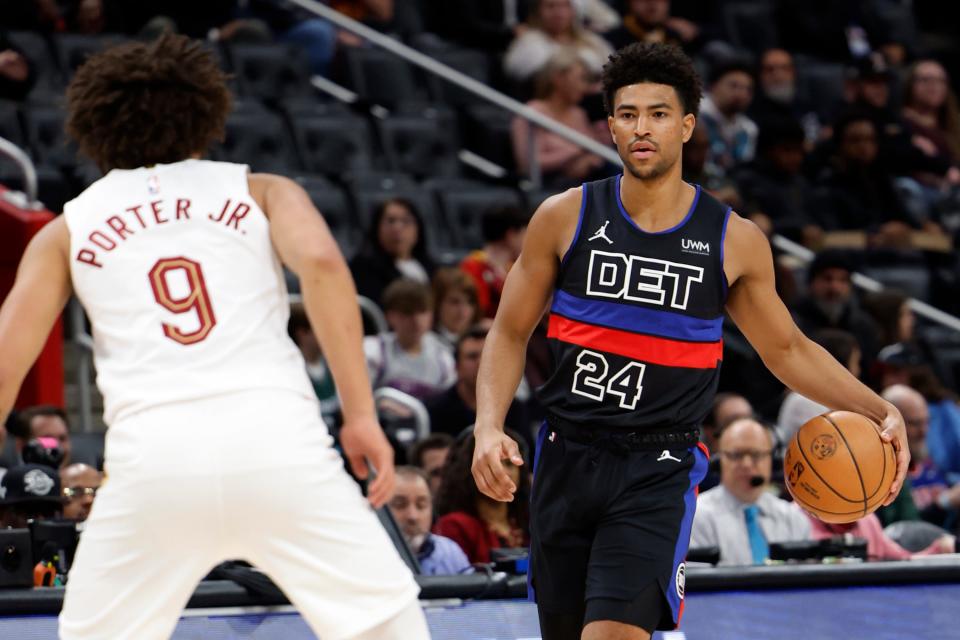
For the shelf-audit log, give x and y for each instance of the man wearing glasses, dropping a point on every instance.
(80, 483)
(740, 516)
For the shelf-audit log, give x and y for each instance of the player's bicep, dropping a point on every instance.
(753, 302)
(530, 282)
(299, 233)
(39, 293)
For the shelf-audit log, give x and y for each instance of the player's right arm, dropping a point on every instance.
(526, 294)
(40, 291)
(304, 243)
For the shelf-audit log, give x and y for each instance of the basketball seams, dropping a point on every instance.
(823, 480)
(853, 457)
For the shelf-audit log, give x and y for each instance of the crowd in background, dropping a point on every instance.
(833, 124)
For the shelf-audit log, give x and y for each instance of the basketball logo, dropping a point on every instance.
(795, 472)
(681, 579)
(823, 446)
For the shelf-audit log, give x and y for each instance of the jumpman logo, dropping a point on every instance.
(666, 456)
(601, 233)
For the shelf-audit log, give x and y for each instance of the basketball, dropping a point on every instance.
(838, 468)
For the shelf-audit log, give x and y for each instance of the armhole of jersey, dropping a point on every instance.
(576, 234)
(723, 239)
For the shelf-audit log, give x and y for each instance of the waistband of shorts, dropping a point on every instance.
(673, 437)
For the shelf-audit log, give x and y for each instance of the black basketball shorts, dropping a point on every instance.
(606, 523)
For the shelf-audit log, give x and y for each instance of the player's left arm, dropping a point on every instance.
(796, 360)
(40, 291)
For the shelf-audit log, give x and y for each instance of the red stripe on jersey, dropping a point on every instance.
(649, 349)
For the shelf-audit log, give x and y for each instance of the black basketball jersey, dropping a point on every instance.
(636, 320)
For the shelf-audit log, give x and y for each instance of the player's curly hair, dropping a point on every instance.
(458, 490)
(652, 62)
(138, 104)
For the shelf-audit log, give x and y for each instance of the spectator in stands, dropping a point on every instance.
(560, 87)
(879, 544)
(456, 307)
(503, 230)
(797, 409)
(727, 407)
(775, 185)
(43, 421)
(733, 136)
(474, 521)
(412, 508)
(830, 303)
(932, 116)
(396, 246)
(29, 492)
(856, 191)
(930, 490)
(646, 21)
(553, 24)
(741, 516)
(943, 434)
(320, 377)
(456, 408)
(892, 314)
(777, 98)
(430, 455)
(16, 73)
(696, 170)
(409, 357)
(80, 484)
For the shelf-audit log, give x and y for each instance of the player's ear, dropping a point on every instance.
(689, 124)
(610, 122)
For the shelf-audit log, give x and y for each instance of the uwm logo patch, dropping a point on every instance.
(639, 279)
(698, 247)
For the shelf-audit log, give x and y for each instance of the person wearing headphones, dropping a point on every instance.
(740, 516)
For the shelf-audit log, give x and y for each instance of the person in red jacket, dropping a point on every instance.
(474, 521)
(503, 229)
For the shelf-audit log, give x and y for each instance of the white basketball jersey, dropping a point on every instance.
(175, 268)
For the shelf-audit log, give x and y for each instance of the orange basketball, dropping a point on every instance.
(838, 467)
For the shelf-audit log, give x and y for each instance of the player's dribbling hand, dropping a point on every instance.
(363, 440)
(895, 432)
(492, 447)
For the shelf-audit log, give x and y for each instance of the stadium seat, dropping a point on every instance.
(416, 145)
(50, 80)
(467, 61)
(382, 78)
(73, 49)
(10, 129)
(486, 131)
(259, 139)
(335, 207)
(463, 209)
(45, 136)
(271, 71)
(820, 83)
(379, 180)
(750, 25)
(333, 143)
(914, 535)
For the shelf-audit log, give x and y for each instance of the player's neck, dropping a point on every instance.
(659, 203)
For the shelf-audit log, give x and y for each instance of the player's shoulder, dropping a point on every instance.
(554, 223)
(746, 248)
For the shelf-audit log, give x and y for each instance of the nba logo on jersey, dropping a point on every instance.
(153, 184)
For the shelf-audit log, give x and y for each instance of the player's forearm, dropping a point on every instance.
(809, 370)
(501, 368)
(329, 297)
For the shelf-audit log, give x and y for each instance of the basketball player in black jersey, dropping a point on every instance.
(639, 270)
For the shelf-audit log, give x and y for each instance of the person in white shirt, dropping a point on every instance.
(409, 357)
(741, 516)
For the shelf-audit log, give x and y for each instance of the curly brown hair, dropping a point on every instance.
(458, 491)
(138, 104)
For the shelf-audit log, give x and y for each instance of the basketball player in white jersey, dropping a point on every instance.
(215, 448)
